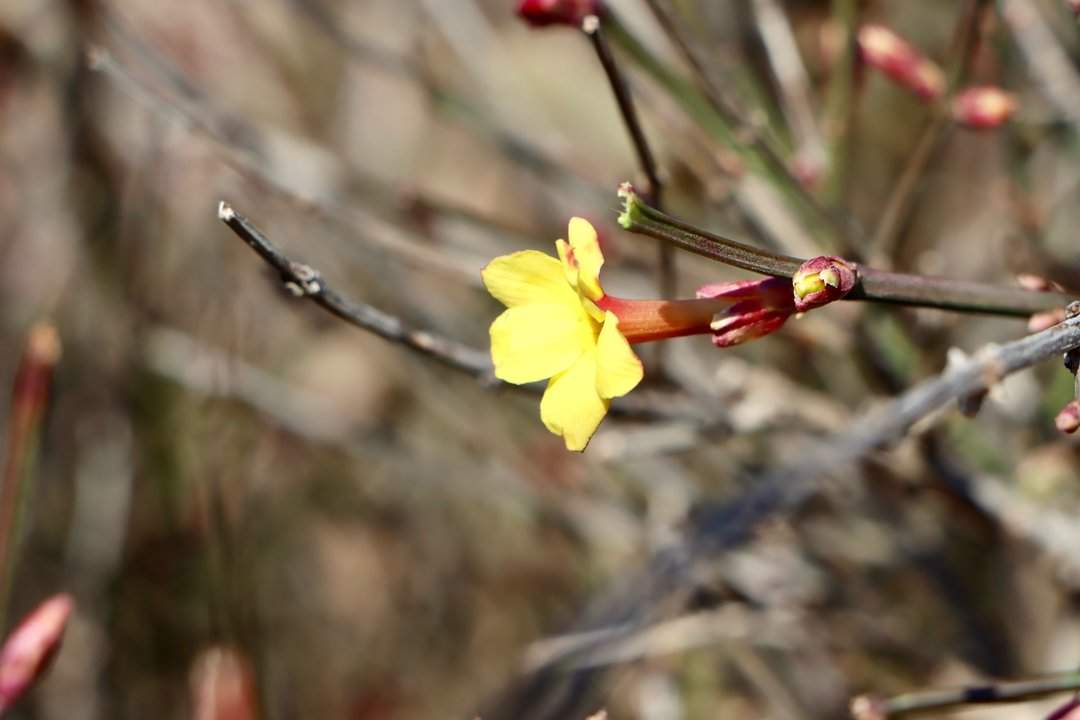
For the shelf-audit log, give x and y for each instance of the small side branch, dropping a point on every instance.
(871, 708)
(304, 281)
(874, 285)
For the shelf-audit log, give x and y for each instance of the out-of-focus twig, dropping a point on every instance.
(246, 158)
(931, 140)
(29, 397)
(745, 130)
(609, 646)
(840, 112)
(1049, 64)
(794, 83)
(667, 579)
(871, 708)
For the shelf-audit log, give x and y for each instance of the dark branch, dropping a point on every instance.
(305, 281)
(870, 708)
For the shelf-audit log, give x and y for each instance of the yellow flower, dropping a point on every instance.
(553, 328)
(560, 325)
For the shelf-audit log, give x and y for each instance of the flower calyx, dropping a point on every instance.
(759, 307)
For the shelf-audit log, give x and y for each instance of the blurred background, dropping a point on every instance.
(264, 512)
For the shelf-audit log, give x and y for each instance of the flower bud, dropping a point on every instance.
(983, 108)
(821, 280)
(883, 49)
(1068, 420)
(222, 686)
(30, 646)
(1037, 283)
(1074, 5)
(541, 13)
(1045, 320)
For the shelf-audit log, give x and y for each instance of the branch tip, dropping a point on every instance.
(225, 212)
(631, 206)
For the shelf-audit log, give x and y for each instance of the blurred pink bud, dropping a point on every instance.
(31, 645)
(1044, 320)
(1074, 5)
(866, 707)
(984, 107)
(883, 49)
(1038, 283)
(222, 686)
(1068, 420)
(822, 280)
(762, 307)
(540, 13)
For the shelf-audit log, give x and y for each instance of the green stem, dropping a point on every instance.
(637, 217)
(873, 285)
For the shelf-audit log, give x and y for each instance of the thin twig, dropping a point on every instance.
(840, 112)
(874, 285)
(1050, 65)
(871, 708)
(305, 281)
(592, 27)
(29, 397)
(793, 81)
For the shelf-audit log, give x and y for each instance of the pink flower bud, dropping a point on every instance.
(1044, 320)
(222, 686)
(883, 49)
(1068, 420)
(1074, 5)
(30, 646)
(761, 307)
(1038, 283)
(821, 280)
(540, 13)
(983, 108)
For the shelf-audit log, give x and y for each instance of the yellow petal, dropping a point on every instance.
(534, 342)
(586, 248)
(571, 406)
(569, 264)
(527, 277)
(618, 369)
